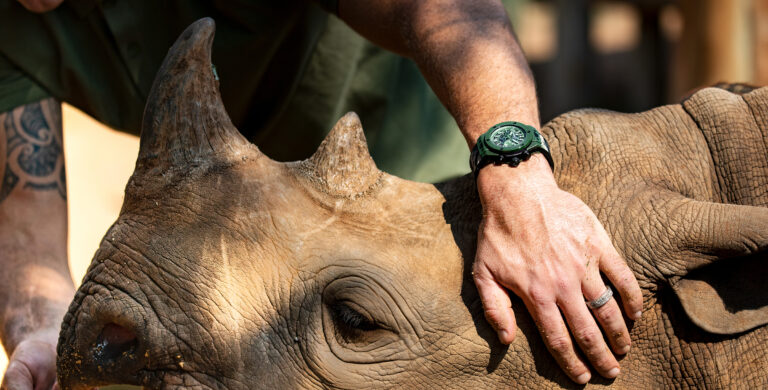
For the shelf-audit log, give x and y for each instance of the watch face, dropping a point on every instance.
(508, 138)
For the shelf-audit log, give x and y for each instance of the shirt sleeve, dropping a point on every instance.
(16, 87)
(331, 6)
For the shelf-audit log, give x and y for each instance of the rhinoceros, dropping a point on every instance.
(228, 270)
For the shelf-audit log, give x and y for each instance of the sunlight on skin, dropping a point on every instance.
(3, 363)
(99, 163)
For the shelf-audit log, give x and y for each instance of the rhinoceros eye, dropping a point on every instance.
(352, 324)
(361, 320)
(350, 317)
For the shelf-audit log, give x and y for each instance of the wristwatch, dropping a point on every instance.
(508, 143)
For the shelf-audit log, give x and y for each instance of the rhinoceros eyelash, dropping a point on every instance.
(352, 318)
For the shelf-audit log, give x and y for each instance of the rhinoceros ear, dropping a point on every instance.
(726, 244)
(185, 122)
(718, 265)
(342, 164)
(728, 295)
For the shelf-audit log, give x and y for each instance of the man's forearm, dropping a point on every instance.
(35, 280)
(535, 240)
(466, 51)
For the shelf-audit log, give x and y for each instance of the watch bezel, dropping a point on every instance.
(494, 147)
(484, 153)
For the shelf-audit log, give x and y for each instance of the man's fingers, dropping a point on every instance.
(558, 340)
(617, 271)
(588, 335)
(608, 315)
(32, 366)
(17, 377)
(497, 306)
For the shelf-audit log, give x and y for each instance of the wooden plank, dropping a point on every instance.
(760, 24)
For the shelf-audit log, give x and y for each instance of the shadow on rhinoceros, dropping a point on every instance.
(227, 269)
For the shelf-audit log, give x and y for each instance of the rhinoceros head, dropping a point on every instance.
(226, 269)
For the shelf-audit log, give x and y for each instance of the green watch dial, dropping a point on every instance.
(508, 138)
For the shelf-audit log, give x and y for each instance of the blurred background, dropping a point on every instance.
(630, 56)
(626, 56)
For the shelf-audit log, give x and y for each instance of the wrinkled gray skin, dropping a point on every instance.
(229, 270)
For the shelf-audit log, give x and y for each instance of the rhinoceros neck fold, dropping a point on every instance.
(738, 157)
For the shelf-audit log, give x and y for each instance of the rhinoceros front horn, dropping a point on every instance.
(185, 122)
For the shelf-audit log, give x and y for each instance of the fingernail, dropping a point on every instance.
(583, 378)
(613, 372)
(637, 315)
(504, 336)
(623, 350)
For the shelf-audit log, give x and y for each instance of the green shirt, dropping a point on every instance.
(288, 70)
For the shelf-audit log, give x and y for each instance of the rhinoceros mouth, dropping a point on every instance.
(150, 378)
(177, 378)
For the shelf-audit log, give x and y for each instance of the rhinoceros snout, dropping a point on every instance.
(100, 344)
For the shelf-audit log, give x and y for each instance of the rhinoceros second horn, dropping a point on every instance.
(342, 164)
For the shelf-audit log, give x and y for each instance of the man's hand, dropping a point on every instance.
(33, 364)
(547, 246)
(40, 6)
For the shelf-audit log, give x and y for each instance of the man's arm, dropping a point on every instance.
(540, 242)
(36, 284)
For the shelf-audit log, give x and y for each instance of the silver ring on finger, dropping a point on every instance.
(601, 300)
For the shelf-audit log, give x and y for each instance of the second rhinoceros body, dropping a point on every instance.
(228, 270)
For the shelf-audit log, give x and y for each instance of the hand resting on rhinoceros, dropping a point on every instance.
(229, 270)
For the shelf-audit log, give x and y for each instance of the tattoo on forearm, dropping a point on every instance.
(31, 149)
